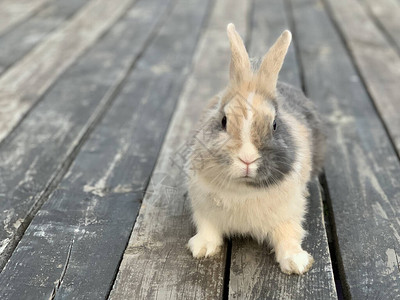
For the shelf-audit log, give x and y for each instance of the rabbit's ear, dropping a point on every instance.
(267, 77)
(240, 62)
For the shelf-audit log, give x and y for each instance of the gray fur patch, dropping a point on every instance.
(304, 111)
(278, 156)
(278, 149)
(279, 152)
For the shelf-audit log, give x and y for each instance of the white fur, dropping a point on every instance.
(247, 122)
(246, 211)
(273, 214)
(248, 152)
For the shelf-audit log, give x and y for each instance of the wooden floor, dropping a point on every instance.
(98, 99)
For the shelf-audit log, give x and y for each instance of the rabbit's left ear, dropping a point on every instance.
(267, 76)
(240, 63)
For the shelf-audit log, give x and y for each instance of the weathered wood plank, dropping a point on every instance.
(77, 239)
(268, 20)
(25, 82)
(387, 14)
(378, 62)
(13, 12)
(156, 263)
(39, 151)
(362, 169)
(18, 41)
(254, 273)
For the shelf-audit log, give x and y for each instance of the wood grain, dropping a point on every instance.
(74, 245)
(37, 154)
(156, 263)
(26, 81)
(268, 21)
(362, 168)
(377, 60)
(13, 12)
(386, 13)
(254, 273)
(22, 38)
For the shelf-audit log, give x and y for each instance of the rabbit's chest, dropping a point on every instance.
(254, 216)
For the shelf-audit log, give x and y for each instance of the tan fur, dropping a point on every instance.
(302, 136)
(223, 207)
(240, 62)
(213, 102)
(272, 62)
(266, 114)
(236, 108)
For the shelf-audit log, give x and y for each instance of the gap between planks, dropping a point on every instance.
(376, 60)
(146, 83)
(147, 235)
(95, 109)
(18, 41)
(255, 273)
(151, 241)
(13, 12)
(362, 169)
(25, 82)
(385, 14)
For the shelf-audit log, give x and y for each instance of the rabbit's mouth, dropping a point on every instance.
(246, 179)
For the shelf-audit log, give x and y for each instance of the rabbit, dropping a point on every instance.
(259, 143)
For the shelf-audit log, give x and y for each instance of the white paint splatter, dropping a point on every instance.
(396, 234)
(99, 187)
(18, 223)
(160, 69)
(379, 210)
(391, 263)
(93, 189)
(122, 188)
(90, 216)
(40, 234)
(3, 244)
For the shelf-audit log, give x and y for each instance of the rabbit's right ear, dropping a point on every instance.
(272, 63)
(240, 62)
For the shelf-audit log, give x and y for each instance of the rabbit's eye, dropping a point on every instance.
(223, 122)
(274, 125)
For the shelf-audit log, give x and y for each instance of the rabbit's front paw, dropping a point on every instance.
(201, 247)
(298, 263)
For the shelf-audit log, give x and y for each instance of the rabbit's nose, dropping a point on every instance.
(247, 161)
